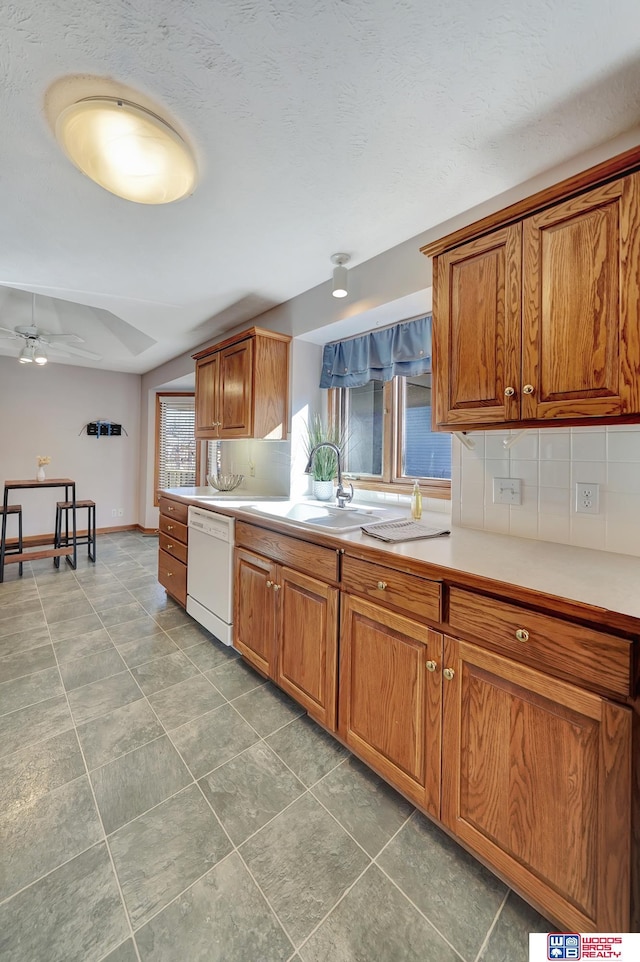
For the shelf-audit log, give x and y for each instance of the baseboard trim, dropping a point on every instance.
(37, 540)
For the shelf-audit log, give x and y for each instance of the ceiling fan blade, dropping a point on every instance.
(70, 351)
(8, 330)
(73, 338)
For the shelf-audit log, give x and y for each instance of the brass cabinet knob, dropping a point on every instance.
(382, 585)
(169, 574)
(169, 547)
(431, 666)
(522, 634)
(509, 391)
(528, 389)
(449, 674)
(170, 509)
(269, 584)
(277, 587)
(169, 527)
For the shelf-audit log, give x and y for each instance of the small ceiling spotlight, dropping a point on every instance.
(340, 274)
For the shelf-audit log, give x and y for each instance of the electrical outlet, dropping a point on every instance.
(120, 512)
(252, 469)
(507, 490)
(114, 513)
(587, 498)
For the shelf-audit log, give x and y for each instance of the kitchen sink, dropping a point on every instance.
(322, 517)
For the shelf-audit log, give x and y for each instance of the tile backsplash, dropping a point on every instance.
(549, 462)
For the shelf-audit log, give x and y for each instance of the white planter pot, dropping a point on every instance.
(323, 490)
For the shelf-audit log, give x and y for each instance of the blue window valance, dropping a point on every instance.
(401, 350)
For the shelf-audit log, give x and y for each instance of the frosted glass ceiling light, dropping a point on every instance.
(40, 356)
(127, 150)
(26, 354)
(340, 274)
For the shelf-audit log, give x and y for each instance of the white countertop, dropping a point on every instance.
(599, 579)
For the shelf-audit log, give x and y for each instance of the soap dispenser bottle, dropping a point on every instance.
(416, 502)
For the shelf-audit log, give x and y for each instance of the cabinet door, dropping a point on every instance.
(207, 373)
(581, 337)
(537, 780)
(254, 610)
(236, 390)
(476, 337)
(307, 633)
(389, 701)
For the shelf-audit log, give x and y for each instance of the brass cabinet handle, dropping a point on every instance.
(169, 527)
(528, 389)
(382, 585)
(169, 574)
(509, 391)
(277, 587)
(522, 634)
(170, 509)
(431, 666)
(269, 584)
(169, 547)
(448, 674)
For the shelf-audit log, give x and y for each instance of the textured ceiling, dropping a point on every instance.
(318, 126)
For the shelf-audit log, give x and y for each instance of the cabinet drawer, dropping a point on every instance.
(174, 509)
(419, 597)
(174, 529)
(311, 558)
(583, 655)
(172, 575)
(173, 547)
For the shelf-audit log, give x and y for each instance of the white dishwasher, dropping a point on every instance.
(210, 572)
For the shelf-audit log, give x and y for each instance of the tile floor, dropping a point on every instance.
(159, 801)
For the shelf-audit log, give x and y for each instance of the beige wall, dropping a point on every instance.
(44, 411)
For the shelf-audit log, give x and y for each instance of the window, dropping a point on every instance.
(177, 451)
(389, 437)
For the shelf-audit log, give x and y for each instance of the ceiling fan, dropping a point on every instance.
(38, 343)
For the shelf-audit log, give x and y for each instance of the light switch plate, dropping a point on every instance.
(507, 490)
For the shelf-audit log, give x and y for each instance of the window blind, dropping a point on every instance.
(177, 443)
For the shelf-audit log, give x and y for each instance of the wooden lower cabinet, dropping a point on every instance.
(286, 625)
(536, 779)
(254, 615)
(173, 548)
(390, 697)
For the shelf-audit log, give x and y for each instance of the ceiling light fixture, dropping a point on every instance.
(340, 274)
(26, 355)
(40, 356)
(127, 150)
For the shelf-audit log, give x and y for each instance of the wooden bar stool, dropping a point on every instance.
(63, 508)
(13, 549)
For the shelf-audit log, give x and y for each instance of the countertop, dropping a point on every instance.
(601, 580)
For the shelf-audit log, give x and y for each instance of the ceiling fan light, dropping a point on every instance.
(40, 357)
(127, 150)
(26, 354)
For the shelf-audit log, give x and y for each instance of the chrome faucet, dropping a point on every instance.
(342, 496)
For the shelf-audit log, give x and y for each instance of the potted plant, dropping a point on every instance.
(325, 466)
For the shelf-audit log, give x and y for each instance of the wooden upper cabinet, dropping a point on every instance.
(242, 387)
(207, 369)
(580, 344)
(477, 330)
(540, 319)
(536, 779)
(235, 390)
